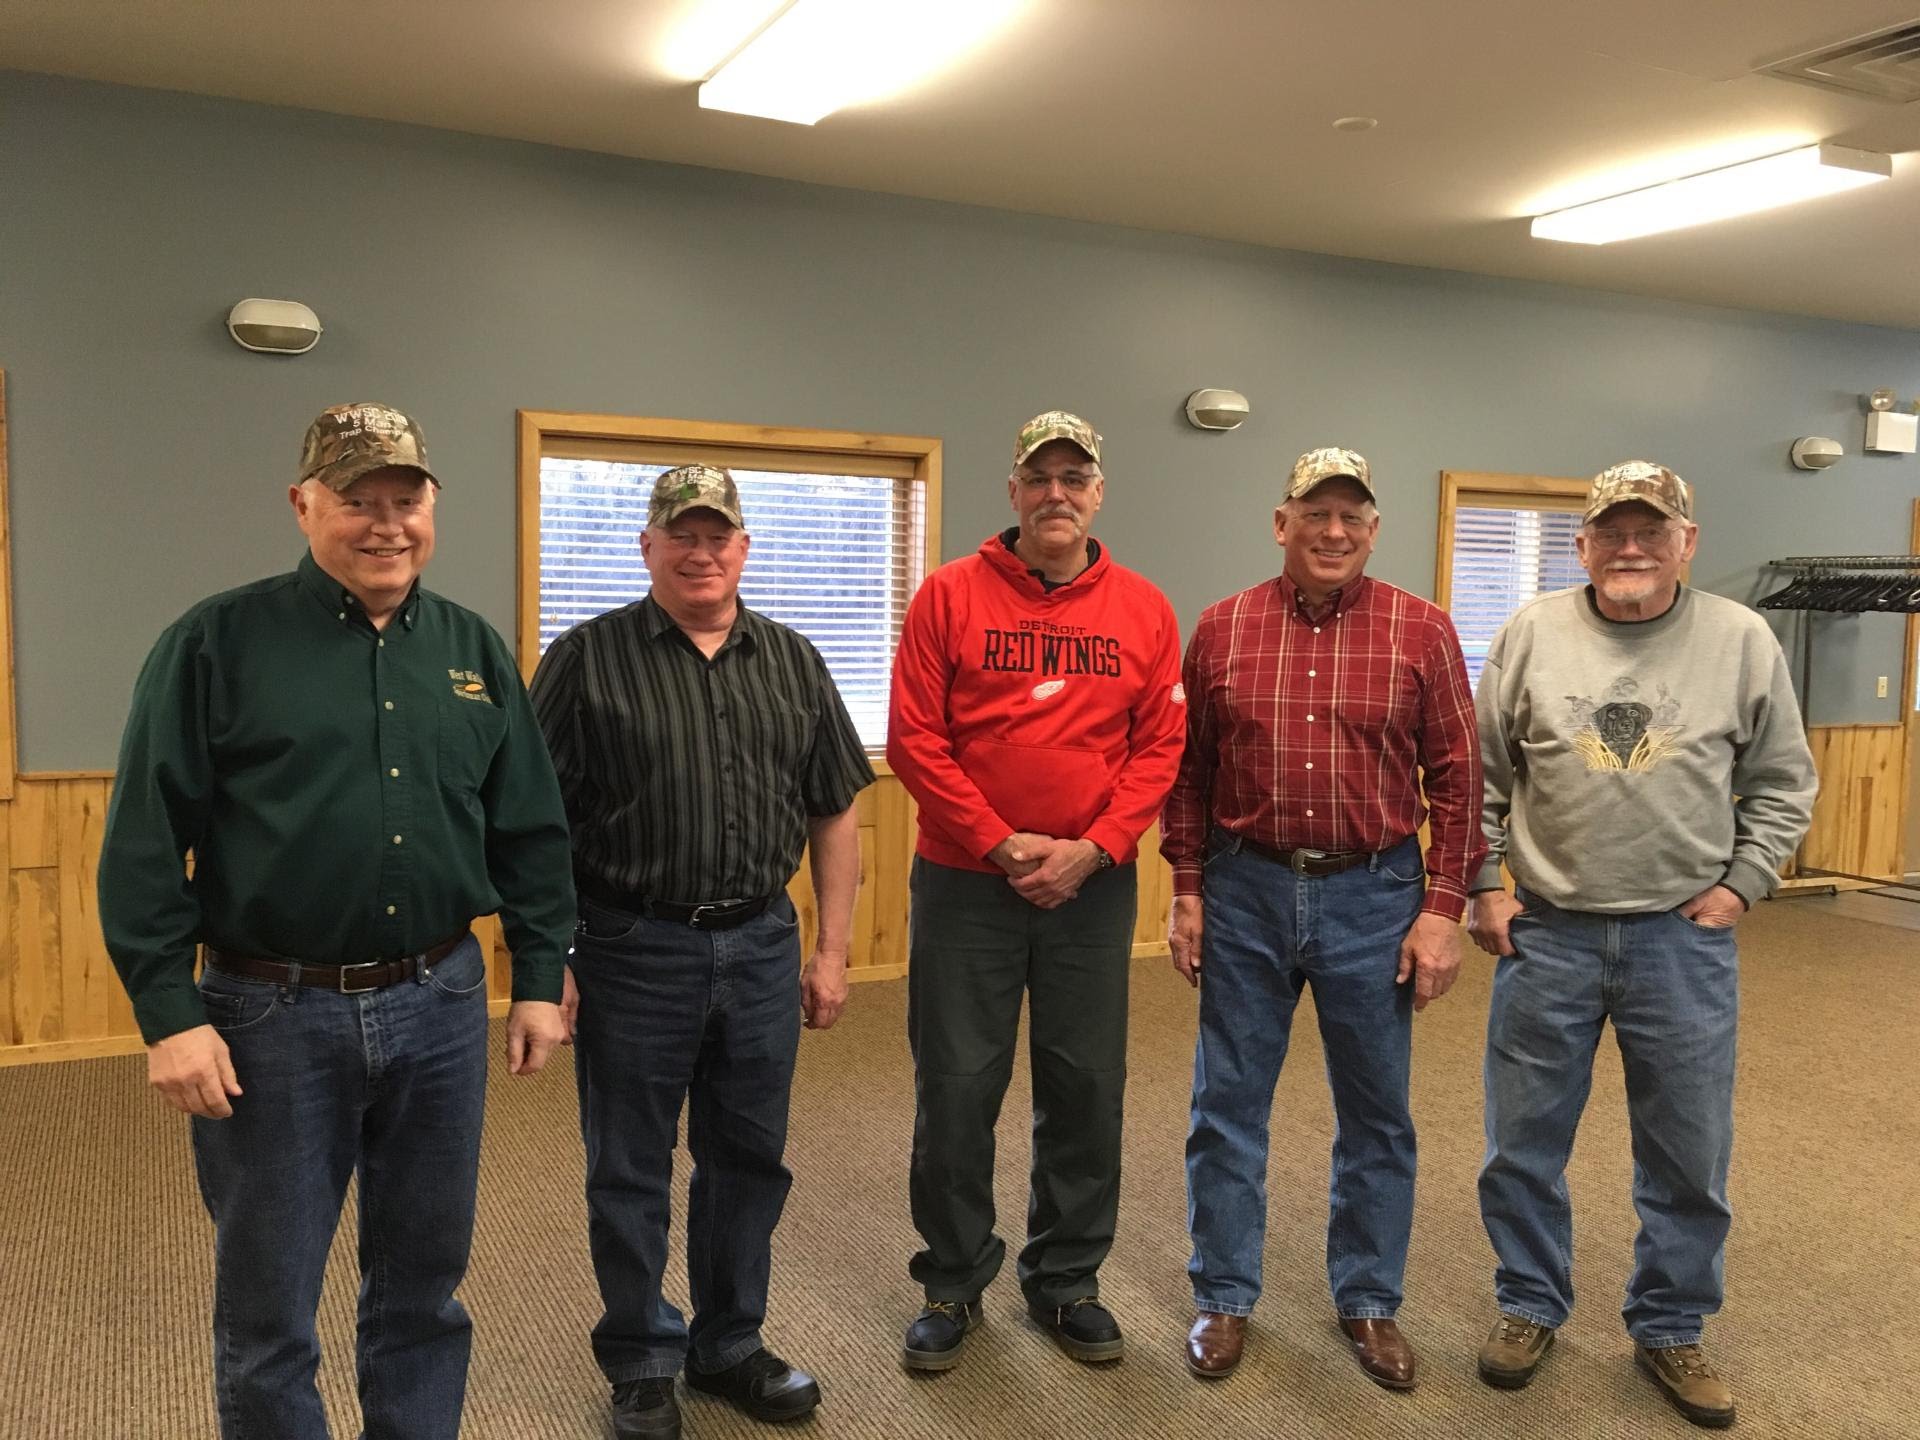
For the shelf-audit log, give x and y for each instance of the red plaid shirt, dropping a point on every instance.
(1315, 733)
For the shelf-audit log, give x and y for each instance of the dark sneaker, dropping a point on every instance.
(1513, 1352)
(937, 1333)
(646, 1410)
(1688, 1381)
(1084, 1328)
(763, 1385)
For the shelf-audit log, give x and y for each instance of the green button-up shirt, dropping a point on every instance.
(347, 794)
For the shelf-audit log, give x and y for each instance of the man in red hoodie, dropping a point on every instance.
(1037, 718)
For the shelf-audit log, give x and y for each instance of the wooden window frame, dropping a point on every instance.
(658, 440)
(1466, 488)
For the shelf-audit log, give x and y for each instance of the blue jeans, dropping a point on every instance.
(1269, 934)
(389, 1084)
(1672, 990)
(711, 1018)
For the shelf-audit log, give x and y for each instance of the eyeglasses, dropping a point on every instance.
(1647, 537)
(1074, 482)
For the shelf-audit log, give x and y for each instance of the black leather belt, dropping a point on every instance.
(697, 915)
(1312, 863)
(347, 979)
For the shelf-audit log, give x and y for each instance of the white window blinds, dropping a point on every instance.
(837, 557)
(1502, 558)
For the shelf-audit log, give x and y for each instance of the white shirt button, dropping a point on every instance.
(1309, 764)
(395, 774)
(1309, 719)
(396, 839)
(1312, 673)
(381, 643)
(341, 616)
(1316, 629)
(393, 909)
(1309, 814)
(389, 704)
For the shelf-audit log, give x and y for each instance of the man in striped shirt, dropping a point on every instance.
(700, 747)
(1319, 705)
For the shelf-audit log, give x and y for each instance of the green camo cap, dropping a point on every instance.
(1644, 481)
(694, 487)
(1329, 462)
(347, 441)
(1055, 425)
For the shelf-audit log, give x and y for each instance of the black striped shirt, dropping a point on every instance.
(689, 779)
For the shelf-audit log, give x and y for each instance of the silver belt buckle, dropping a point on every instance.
(346, 989)
(700, 912)
(1303, 858)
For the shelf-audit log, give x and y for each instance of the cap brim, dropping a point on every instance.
(681, 507)
(1301, 491)
(1027, 454)
(1594, 512)
(338, 477)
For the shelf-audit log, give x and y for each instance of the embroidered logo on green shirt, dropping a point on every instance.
(469, 686)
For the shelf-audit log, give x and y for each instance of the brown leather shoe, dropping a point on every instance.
(1382, 1351)
(1214, 1344)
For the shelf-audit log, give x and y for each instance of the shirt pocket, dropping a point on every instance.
(778, 733)
(1378, 706)
(471, 733)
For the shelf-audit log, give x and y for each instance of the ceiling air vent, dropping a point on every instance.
(1882, 66)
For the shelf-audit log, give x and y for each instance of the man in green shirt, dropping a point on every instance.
(353, 765)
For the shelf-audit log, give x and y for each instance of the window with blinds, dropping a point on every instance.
(835, 556)
(1506, 551)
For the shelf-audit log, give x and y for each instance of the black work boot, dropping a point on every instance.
(934, 1339)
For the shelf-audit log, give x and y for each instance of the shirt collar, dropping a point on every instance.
(1010, 538)
(338, 599)
(655, 622)
(1344, 599)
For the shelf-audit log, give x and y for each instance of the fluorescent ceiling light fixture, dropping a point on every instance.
(818, 56)
(1745, 189)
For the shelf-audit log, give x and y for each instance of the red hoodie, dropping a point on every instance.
(1019, 708)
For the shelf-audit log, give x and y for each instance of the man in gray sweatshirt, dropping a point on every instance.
(1646, 774)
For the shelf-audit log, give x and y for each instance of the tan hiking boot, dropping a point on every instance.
(1513, 1352)
(1688, 1381)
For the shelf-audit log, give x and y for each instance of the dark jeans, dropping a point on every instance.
(390, 1084)
(976, 946)
(1269, 934)
(668, 1015)
(1671, 989)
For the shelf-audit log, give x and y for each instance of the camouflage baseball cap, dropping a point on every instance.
(347, 441)
(1329, 462)
(1055, 425)
(694, 487)
(1644, 481)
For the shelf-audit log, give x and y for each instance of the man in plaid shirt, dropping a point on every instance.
(1320, 704)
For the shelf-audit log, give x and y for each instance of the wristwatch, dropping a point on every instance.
(1101, 859)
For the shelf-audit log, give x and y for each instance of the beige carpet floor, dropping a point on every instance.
(105, 1251)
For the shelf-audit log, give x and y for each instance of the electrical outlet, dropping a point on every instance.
(1880, 687)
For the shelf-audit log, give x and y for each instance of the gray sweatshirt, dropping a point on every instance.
(1614, 754)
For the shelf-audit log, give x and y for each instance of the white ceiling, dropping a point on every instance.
(1208, 117)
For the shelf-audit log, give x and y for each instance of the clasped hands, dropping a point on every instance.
(1042, 870)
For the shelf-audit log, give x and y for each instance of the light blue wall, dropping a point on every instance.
(461, 278)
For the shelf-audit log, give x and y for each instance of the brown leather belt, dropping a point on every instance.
(346, 979)
(1314, 864)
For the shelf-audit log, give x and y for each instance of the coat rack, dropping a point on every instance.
(1844, 585)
